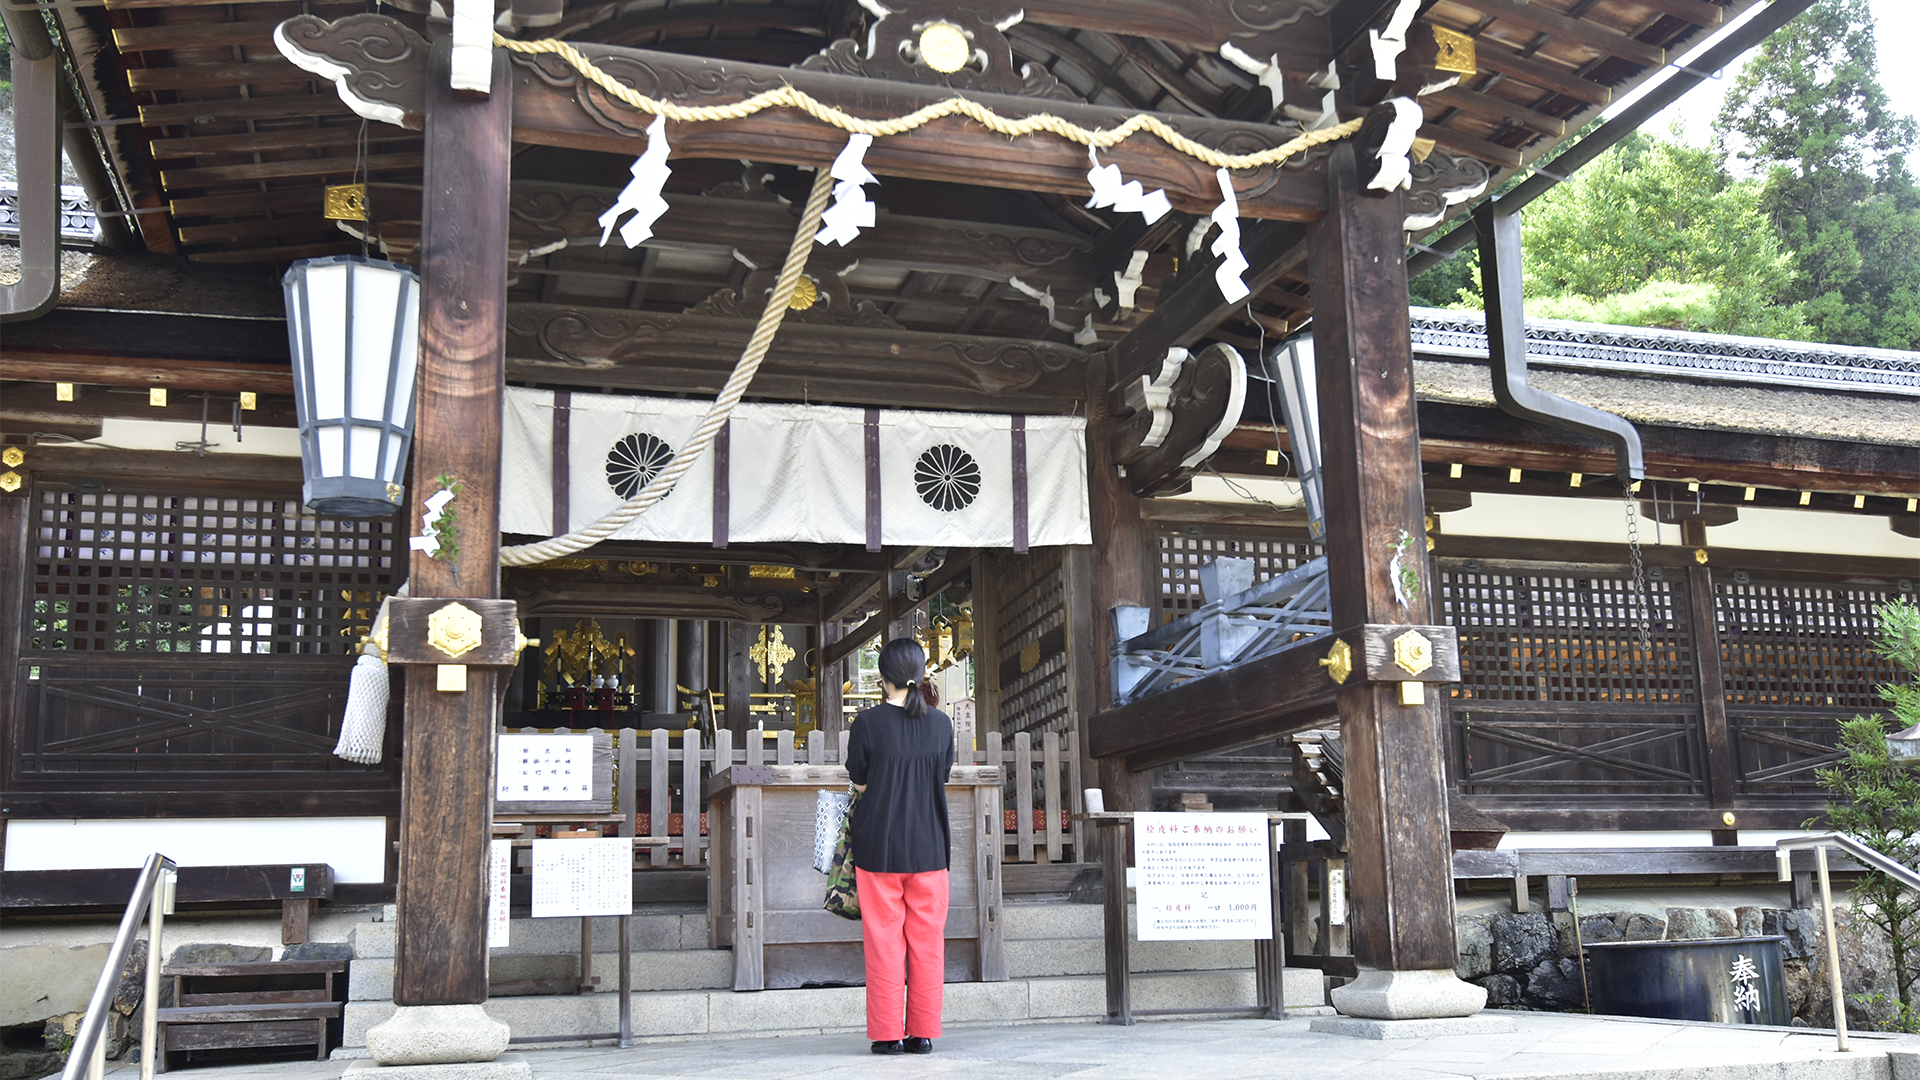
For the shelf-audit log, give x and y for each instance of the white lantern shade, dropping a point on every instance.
(1300, 401)
(353, 325)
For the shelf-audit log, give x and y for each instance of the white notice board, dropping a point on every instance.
(544, 768)
(1203, 877)
(499, 892)
(582, 877)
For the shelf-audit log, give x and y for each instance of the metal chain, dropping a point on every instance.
(1642, 609)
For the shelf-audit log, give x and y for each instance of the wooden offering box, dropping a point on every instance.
(764, 896)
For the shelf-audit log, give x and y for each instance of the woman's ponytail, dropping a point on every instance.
(904, 663)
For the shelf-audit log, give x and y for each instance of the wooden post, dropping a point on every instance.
(1723, 763)
(664, 651)
(1396, 783)
(446, 801)
(1122, 550)
(738, 681)
(829, 706)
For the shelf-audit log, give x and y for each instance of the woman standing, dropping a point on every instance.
(899, 755)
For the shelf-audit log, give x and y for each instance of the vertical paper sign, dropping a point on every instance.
(1203, 877)
(544, 768)
(582, 877)
(499, 866)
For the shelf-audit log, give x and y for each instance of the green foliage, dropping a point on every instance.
(1809, 112)
(1658, 234)
(1880, 798)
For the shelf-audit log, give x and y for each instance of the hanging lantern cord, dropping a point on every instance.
(730, 395)
(1642, 613)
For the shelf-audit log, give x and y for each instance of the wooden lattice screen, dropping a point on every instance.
(1557, 696)
(1185, 548)
(1796, 658)
(188, 638)
(1031, 631)
(123, 572)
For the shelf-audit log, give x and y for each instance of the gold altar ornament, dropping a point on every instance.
(454, 629)
(944, 47)
(1412, 652)
(1338, 662)
(13, 457)
(771, 654)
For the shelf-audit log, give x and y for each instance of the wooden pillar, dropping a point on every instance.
(1116, 574)
(738, 669)
(1723, 764)
(15, 517)
(665, 646)
(829, 679)
(1396, 786)
(446, 802)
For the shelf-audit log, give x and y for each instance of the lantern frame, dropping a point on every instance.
(364, 362)
(1300, 404)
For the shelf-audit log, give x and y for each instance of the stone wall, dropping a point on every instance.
(1529, 961)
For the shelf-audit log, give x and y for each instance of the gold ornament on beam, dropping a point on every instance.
(13, 457)
(1338, 662)
(944, 47)
(805, 294)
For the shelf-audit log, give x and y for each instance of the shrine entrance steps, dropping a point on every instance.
(683, 988)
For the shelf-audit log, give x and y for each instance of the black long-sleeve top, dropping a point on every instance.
(900, 822)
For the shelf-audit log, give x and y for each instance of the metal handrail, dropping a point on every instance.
(1820, 842)
(153, 898)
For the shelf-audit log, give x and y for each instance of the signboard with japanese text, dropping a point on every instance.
(499, 870)
(1203, 877)
(582, 877)
(544, 768)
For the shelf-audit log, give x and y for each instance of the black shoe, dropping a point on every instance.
(917, 1045)
(895, 1047)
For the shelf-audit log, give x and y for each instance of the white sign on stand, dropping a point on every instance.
(544, 768)
(582, 877)
(499, 892)
(1203, 877)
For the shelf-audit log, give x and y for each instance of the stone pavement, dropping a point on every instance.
(1560, 1046)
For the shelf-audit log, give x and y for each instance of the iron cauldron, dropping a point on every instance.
(1720, 980)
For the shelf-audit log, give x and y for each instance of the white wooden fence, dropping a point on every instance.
(658, 774)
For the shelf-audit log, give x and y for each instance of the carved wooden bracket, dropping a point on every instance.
(378, 64)
(826, 300)
(1440, 183)
(1174, 419)
(942, 43)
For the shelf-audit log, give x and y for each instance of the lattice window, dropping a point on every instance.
(1801, 644)
(1533, 634)
(174, 573)
(1186, 548)
(1032, 648)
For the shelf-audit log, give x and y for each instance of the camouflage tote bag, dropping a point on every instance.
(842, 898)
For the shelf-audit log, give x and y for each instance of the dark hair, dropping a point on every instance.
(904, 663)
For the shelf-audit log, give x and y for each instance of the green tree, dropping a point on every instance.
(1880, 800)
(1809, 113)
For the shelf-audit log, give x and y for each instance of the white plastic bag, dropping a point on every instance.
(828, 811)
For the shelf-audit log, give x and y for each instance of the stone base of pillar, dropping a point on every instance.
(1357, 1028)
(1405, 995)
(507, 1067)
(438, 1035)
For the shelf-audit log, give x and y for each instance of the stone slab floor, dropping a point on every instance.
(1544, 1045)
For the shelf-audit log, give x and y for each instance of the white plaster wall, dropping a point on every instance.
(354, 846)
(1604, 521)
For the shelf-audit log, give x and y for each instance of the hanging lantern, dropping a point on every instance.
(963, 633)
(1300, 404)
(353, 327)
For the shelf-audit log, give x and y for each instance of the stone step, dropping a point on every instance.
(723, 1013)
(682, 969)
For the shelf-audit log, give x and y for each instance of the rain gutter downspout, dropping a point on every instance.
(36, 127)
(1499, 231)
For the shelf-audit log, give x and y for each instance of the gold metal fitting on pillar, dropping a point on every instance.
(450, 635)
(1338, 662)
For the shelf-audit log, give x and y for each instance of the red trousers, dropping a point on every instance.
(903, 927)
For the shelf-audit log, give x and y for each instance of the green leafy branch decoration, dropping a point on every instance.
(1402, 571)
(445, 527)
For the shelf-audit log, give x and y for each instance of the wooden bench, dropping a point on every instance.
(295, 885)
(215, 1008)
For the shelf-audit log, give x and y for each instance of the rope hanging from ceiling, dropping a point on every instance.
(789, 98)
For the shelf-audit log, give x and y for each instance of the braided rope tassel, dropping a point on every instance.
(717, 416)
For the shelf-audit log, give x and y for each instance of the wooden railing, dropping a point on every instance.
(658, 775)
